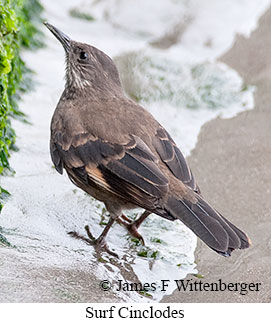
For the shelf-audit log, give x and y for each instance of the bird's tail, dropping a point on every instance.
(210, 226)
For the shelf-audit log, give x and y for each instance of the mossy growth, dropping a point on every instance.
(18, 30)
(76, 13)
(148, 253)
(3, 240)
(198, 276)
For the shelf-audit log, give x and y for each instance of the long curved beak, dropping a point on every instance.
(64, 39)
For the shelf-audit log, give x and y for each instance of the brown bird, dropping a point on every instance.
(115, 150)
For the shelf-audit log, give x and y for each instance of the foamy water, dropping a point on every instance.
(183, 86)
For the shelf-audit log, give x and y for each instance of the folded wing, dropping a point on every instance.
(129, 171)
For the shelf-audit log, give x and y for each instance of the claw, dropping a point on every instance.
(124, 217)
(78, 236)
(89, 233)
(132, 228)
(99, 244)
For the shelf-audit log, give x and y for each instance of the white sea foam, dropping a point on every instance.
(45, 206)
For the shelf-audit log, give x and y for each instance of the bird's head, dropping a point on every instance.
(88, 68)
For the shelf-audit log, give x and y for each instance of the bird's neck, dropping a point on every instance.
(73, 91)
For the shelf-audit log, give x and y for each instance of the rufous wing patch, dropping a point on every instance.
(97, 176)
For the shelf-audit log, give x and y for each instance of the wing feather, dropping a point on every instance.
(173, 158)
(130, 170)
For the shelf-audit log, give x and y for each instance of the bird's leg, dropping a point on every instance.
(132, 226)
(99, 243)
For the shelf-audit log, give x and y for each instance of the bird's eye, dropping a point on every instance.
(83, 55)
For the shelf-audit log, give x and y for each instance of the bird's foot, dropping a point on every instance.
(99, 243)
(132, 227)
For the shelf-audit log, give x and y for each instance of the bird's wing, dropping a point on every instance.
(130, 170)
(173, 158)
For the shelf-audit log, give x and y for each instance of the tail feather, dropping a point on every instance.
(234, 240)
(244, 238)
(211, 227)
